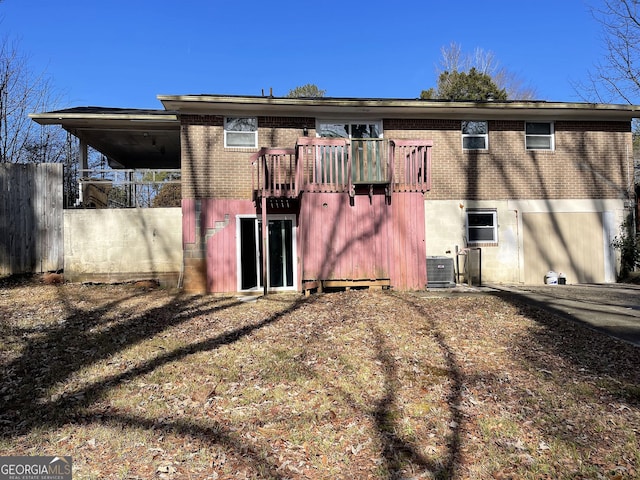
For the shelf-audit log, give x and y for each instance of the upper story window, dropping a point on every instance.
(475, 135)
(349, 129)
(482, 226)
(539, 136)
(241, 132)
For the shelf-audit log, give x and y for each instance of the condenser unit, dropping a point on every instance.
(440, 272)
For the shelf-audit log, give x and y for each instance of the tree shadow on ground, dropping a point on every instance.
(576, 371)
(396, 451)
(399, 455)
(587, 352)
(56, 353)
(252, 457)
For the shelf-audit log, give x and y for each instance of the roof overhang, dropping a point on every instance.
(394, 108)
(128, 138)
(133, 138)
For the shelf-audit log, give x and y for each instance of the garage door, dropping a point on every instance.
(571, 243)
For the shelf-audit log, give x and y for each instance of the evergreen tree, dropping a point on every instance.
(470, 86)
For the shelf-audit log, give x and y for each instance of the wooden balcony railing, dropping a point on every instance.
(340, 165)
(412, 165)
(323, 164)
(274, 173)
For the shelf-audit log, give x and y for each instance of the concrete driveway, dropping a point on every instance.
(610, 308)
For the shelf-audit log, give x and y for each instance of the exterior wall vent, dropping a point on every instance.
(440, 272)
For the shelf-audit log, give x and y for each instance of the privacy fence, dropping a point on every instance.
(31, 218)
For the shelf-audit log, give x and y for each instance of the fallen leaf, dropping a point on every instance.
(543, 446)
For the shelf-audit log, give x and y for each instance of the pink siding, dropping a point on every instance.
(188, 221)
(222, 269)
(217, 238)
(408, 270)
(367, 240)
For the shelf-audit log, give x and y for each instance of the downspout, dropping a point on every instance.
(629, 177)
(631, 200)
(515, 211)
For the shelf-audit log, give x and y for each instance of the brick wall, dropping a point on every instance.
(590, 160)
(211, 171)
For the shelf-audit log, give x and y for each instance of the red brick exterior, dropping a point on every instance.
(215, 176)
(211, 171)
(590, 160)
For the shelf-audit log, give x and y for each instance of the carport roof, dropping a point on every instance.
(129, 138)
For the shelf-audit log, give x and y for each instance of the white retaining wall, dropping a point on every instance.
(115, 245)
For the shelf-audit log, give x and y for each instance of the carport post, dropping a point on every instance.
(84, 157)
(83, 166)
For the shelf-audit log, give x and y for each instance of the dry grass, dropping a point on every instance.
(155, 384)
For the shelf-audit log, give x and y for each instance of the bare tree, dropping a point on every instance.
(454, 59)
(21, 93)
(617, 76)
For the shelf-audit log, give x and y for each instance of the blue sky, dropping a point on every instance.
(124, 53)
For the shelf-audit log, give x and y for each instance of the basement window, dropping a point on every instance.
(482, 226)
(241, 132)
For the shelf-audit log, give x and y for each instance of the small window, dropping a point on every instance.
(241, 132)
(539, 136)
(482, 226)
(475, 135)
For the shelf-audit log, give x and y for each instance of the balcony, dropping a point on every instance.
(342, 165)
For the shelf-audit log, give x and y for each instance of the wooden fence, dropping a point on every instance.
(31, 218)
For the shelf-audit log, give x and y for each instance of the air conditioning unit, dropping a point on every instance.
(440, 273)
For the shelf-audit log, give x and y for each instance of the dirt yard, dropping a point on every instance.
(139, 383)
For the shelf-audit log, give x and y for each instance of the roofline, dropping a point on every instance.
(394, 108)
(324, 107)
(106, 116)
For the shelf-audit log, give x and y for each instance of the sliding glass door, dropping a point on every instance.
(281, 269)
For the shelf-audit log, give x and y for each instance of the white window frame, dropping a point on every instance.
(551, 136)
(494, 227)
(485, 136)
(226, 133)
(294, 253)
